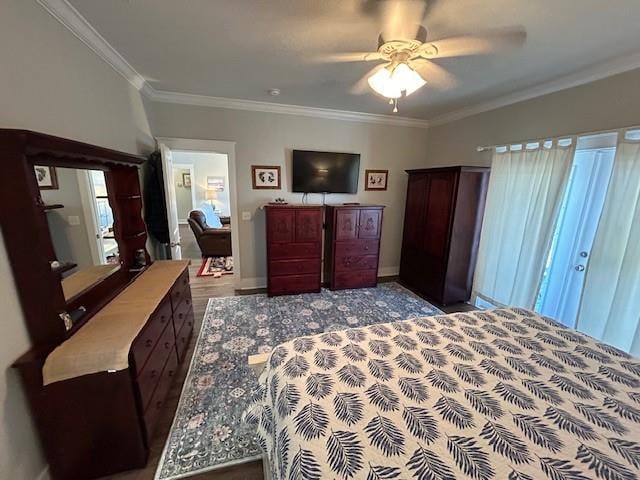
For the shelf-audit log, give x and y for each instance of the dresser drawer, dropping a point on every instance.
(148, 378)
(356, 262)
(154, 408)
(148, 337)
(355, 279)
(182, 312)
(180, 289)
(357, 247)
(294, 284)
(294, 267)
(280, 251)
(184, 337)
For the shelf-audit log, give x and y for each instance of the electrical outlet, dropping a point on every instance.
(73, 220)
(246, 215)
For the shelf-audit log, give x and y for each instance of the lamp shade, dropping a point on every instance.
(211, 195)
(392, 82)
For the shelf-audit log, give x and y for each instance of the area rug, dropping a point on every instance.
(207, 431)
(215, 267)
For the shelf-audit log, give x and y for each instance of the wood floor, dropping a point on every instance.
(203, 288)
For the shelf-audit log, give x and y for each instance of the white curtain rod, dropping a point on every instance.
(569, 135)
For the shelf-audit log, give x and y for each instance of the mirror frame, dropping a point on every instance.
(26, 233)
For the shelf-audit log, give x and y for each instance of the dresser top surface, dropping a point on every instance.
(103, 343)
(293, 205)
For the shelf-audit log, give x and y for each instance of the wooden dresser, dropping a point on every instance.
(294, 248)
(442, 222)
(105, 342)
(352, 245)
(101, 422)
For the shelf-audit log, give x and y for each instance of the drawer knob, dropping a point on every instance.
(366, 247)
(159, 404)
(148, 343)
(167, 345)
(171, 372)
(180, 316)
(153, 374)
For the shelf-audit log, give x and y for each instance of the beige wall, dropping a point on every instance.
(606, 104)
(207, 165)
(52, 83)
(70, 242)
(268, 138)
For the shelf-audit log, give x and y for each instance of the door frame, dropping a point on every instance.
(229, 149)
(87, 197)
(190, 167)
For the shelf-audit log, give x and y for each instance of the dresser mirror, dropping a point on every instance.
(80, 220)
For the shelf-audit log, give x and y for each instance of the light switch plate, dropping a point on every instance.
(246, 215)
(73, 220)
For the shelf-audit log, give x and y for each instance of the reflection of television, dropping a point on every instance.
(325, 172)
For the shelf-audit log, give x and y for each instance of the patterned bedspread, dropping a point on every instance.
(503, 394)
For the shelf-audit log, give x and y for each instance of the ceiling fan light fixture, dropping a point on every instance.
(396, 82)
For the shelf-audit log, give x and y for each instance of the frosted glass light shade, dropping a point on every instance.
(392, 83)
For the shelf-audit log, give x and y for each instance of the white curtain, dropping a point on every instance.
(523, 200)
(610, 305)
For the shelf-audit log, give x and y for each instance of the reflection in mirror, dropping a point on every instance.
(81, 225)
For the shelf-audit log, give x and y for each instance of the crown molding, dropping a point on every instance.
(590, 74)
(68, 16)
(269, 107)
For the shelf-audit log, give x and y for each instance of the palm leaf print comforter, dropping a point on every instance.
(502, 394)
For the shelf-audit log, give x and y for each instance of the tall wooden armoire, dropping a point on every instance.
(443, 218)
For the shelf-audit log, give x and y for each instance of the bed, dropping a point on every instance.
(502, 394)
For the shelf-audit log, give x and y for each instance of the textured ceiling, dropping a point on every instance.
(242, 48)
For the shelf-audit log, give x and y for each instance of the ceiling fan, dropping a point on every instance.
(407, 53)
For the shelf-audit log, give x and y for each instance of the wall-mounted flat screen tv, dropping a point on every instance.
(325, 172)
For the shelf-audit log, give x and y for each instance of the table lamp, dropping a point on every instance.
(211, 195)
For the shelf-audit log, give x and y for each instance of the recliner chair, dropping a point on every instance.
(213, 242)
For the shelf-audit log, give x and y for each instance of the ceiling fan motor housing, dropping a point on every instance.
(390, 48)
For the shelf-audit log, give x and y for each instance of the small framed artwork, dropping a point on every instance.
(46, 177)
(376, 179)
(264, 177)
(186, 180)
(215, 183)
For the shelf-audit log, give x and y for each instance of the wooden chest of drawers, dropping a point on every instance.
(294, 248)
(352, 245)
(102, 423)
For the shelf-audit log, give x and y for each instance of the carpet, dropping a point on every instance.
(215, 267)
(207, 431)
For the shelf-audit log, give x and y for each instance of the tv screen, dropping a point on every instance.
(325, 172)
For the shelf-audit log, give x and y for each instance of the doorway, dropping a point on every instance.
(183, 182)
(563, 278)
(212, 174)
(98, 216)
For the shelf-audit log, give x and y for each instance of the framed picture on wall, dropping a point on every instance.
(46, 177)
(264, 177)
(186, 180)
(215, 183)
(376, 179)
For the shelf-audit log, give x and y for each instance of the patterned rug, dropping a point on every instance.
(207, 431)
(215, 266)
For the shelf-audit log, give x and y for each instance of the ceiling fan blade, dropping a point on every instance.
(347, 57)
(401, 19)
(479, 44)
(362, 86)
(434, 74)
